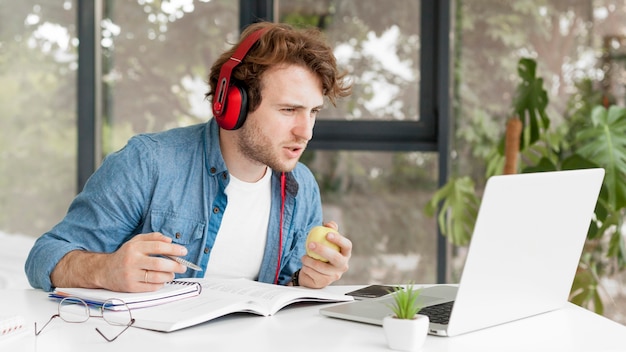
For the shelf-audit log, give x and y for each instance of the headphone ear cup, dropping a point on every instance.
(236, 108)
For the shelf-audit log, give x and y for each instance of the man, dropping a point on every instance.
(228, 195)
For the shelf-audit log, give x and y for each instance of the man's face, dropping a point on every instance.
(277, 133)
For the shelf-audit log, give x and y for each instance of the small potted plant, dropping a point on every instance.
(405, 330)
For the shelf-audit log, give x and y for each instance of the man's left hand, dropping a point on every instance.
(318, 274)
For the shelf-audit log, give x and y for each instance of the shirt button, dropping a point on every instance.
(206, 250)
(213, 170)
(177, 235)
(216, 210)
(225, 175)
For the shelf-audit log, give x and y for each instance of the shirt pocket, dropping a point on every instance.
(181, 230)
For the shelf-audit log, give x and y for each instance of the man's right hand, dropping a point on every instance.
(134, 267)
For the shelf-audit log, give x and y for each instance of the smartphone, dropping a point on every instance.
(372, 291)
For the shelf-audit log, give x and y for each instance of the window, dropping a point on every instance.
(38, 65)
(157, 57)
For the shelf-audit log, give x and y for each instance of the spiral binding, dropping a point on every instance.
(186, 283)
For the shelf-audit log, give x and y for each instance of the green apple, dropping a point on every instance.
(318, 235)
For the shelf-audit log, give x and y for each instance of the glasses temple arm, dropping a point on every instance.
(46, 324)
(132, 321)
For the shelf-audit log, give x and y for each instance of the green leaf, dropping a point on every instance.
(530, 103)
(576, 161)
(495, 161)
(543, 165)
(605, 143)
(617, 248)
(459, 208)
(405, 304)
(584, 290)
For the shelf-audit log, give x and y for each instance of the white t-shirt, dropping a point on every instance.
(240, 243)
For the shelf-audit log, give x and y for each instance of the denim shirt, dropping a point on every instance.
(173, 182)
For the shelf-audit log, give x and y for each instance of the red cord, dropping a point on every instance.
(280, 237)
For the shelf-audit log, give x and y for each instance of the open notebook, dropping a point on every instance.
(526, 245)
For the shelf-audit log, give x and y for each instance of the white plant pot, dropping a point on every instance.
(406, 334)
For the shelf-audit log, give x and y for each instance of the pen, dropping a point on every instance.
(184, 262)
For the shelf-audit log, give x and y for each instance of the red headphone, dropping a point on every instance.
(230, 106)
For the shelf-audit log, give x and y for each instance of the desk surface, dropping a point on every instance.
(302, 328)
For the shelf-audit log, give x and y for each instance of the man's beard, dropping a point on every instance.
(258, 148)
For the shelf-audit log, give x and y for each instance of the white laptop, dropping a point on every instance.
(521, 261)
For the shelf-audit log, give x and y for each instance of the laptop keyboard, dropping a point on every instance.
(439, 313)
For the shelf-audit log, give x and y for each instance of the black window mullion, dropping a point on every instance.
(251, 11)
(89, 97)
(373, 135)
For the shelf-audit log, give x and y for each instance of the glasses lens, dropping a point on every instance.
(116, 312)
(73, 310)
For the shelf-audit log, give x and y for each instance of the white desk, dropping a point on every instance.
(302, 328)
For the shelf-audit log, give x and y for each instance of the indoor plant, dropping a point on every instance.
(405, 330)
(592, 135)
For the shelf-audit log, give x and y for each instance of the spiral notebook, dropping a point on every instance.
(171, 291)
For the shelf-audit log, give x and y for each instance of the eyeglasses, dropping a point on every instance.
(75, 310)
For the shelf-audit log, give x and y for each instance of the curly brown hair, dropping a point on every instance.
(282, 44)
